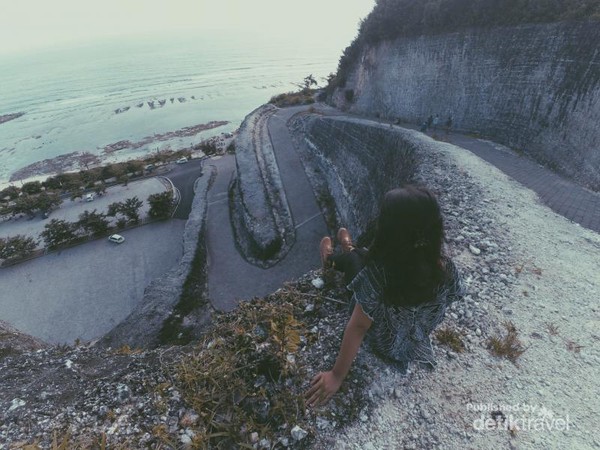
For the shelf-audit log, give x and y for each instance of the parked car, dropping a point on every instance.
(90, 197)
(150, 168)
(116, 238)
(182, 160)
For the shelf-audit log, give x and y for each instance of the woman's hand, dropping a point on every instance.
(322, 388)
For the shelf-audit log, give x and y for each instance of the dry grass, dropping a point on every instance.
(450, 338)
(64, 441)
(573, 346)
(508, 345)
(533, 268)
(552, 329)
(126, 350)
(243, 377)
(293, 99)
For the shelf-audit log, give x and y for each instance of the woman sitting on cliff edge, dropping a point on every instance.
(401, 286)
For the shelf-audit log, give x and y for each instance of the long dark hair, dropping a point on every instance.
(408, 245)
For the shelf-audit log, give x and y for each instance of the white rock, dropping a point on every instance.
(298, 433)
(16, 403)
(474, 250)
(318, 283)
(322, 423)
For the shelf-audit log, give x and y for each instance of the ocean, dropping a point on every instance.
(83, 98)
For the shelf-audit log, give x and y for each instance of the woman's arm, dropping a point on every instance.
(325, 384)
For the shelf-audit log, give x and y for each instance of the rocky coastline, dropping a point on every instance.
(115, 151)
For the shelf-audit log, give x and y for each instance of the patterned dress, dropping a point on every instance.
(401, 334)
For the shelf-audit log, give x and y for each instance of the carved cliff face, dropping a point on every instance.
(535, 88)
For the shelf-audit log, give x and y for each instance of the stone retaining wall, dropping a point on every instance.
(260, 212)
(360, 160)
(141, 328)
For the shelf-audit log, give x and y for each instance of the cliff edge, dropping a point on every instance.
(532, 284)
(532, 87)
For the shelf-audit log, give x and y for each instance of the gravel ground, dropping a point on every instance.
(521, 262)
(524, 264)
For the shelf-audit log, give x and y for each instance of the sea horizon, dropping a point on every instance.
(84, 97)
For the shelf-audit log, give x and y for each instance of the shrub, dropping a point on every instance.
(93, 222)
(237, 379)
(16, 247)
(59, 232)
(11, 192)
(31, 188)
(507, 346)
(161, 205)
(450, 338)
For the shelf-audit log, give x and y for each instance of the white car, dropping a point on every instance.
(90, 197)
(116, 238)
(182, 160)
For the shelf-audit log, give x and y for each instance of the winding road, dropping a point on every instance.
(232, 279)
(184, 178)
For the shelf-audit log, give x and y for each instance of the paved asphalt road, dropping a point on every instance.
(70, 210)
(84, 291)
(563, 196)
(230, 277)
(183, 177)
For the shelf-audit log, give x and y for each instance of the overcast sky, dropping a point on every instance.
(29, 24)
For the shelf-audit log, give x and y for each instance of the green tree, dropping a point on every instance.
(114, 209)
(93, 223)
(107, 172)
(130, 209)
(32, 188)
(308, 82)
(161, 205)
(76, 193)
(12, 192)
(134, 166)
(52, 184)
(16, 246)
(25, 204)
(119, 171)
(59, 232)
(47, 201)
(100, 188)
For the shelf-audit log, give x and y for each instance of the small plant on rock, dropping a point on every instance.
(450, 338)
(507, 346)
